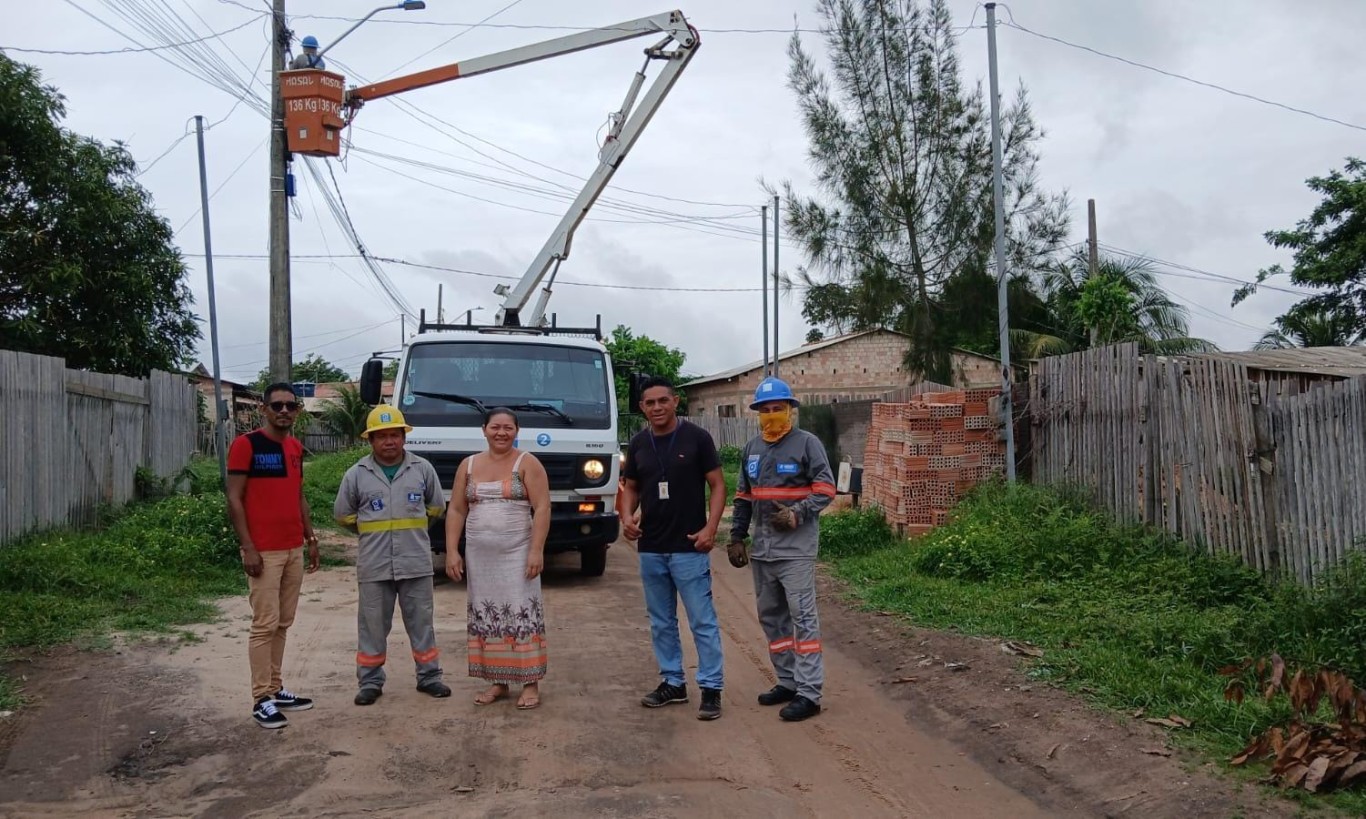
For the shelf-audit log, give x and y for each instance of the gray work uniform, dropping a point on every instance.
(393, 560)
(793, 471)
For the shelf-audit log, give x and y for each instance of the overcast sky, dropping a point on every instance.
(1180, 172)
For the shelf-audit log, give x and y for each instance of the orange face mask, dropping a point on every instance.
(774, 425)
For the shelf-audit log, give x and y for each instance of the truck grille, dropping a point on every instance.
(560, 467)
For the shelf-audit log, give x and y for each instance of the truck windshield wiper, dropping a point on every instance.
(543, 408)
(456, 397)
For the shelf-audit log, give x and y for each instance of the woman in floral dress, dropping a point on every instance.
(501, 500)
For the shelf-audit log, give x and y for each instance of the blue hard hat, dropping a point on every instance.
(309, 42)
(773, 389)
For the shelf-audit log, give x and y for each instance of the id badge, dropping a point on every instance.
(663, 490)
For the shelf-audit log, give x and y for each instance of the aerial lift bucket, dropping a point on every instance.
(313, 111)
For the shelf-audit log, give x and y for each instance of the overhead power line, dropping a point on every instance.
(1174, 75)
(136, 50)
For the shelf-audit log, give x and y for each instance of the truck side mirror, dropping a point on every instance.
(636, 380)
(371, 378)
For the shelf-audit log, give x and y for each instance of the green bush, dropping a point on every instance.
(730, 455)
(854, 532)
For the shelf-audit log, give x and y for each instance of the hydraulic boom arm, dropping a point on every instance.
(676, 50)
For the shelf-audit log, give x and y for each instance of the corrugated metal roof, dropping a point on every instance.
(1343, 362)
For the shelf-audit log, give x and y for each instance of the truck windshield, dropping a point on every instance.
(573, 381)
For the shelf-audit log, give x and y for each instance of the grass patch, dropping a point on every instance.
(150, 567)
(1128, 617)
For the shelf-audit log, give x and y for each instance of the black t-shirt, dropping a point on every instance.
(682, 460)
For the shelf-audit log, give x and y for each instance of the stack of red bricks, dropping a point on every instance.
(922, 457)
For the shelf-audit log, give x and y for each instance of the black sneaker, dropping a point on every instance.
(435, 688)
(367, 696)
(286, 700)
(711, 704)
(799, 709)
(777, 695)
(266, 714)
(665, 694)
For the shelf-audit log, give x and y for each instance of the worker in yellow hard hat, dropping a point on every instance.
(388, 498)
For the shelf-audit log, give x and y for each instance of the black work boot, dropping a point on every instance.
(799, 709)
(711, 704)
(367, 696)
(777, 695)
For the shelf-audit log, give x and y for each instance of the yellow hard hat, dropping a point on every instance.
(384, 417)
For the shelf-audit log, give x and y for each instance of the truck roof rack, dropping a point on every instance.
(553, 329)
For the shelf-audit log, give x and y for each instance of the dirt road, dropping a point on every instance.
(162, 730)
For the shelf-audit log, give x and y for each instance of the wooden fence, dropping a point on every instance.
(1196, 447)
(72, 441)
(1319, 472)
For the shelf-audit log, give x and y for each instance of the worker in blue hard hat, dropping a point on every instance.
(310, 57)
(784, 483)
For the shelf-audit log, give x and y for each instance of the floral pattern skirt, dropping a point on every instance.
(506, 614)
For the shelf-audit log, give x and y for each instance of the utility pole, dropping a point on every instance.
(776, 290)
(998, 200)
(763, 278)
(281, 340)
(402, 329)
(220, 439)
(440, 317)
(1093, 255)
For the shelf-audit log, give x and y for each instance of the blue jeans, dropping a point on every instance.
(667, 577)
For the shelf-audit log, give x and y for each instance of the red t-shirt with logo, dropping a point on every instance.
(275, 474)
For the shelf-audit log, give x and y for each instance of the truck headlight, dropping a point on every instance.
(593, 469)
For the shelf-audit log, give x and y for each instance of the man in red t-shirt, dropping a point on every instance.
(267, 507)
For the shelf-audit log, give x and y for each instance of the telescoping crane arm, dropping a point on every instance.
(675, 50)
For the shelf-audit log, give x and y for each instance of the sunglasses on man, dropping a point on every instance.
(283, 406)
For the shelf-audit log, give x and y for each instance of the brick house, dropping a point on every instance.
(852, 367)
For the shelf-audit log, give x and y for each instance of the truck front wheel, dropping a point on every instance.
(594, 560)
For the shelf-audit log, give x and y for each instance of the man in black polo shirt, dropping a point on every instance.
(669, 468)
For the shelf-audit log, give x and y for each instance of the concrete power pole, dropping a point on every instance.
(776, 294)
(281, 340)
(220, 417)
(1093, 255)
(1003, 281)
(763, 278)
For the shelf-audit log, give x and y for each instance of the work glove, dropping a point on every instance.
(738, 554)
(785, 519)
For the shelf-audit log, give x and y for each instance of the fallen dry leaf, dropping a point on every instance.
(1053, 751)
(463, 789)
(1156, 751)
(1169, 722)
(903, 680)
(1022, 649)
(1137, 714)
(955, 666)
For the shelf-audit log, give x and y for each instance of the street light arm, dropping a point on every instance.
(357, 25)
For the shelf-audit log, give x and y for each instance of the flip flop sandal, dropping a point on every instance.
(529, 703)
(485, 698)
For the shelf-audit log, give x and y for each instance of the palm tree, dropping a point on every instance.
(1313, 326)
(1122, 302)
(345, 414)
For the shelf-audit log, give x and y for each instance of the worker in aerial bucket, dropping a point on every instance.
(310, 58)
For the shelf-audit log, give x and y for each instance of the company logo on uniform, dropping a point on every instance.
(752, 467)
(414, 497)
(788, 469)
(543, 439)
(377, 504)
(766, 387)
(385, 417)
